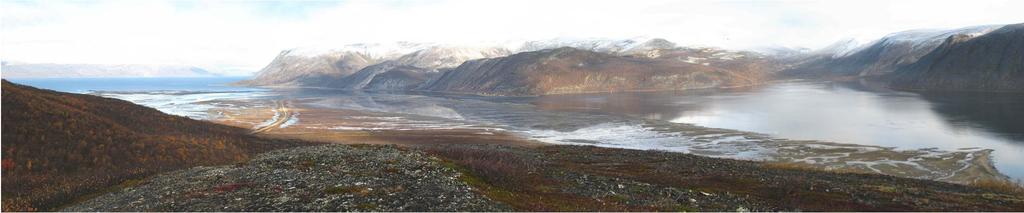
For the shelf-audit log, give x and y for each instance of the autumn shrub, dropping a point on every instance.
(999, 185)
(496, 167)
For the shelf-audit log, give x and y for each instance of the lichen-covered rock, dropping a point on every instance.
(319, 178)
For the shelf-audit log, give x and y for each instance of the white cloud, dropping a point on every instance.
(245, 35)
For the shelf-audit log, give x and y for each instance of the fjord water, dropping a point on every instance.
(149, 84)
(185, 96)
(837, 112)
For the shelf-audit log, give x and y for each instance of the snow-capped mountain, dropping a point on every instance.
(569, 70)
(327, 67)
(781, 51)
(993, 61)
(50, 70)
(370, 50)
(416, 65)
(879, 57)
(927, 39)
(840, 48)
(320, 66)
(635, 46)
(439, 57)
(355, 66)
(305, 69)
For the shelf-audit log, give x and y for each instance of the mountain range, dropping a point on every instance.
(915, 59)
(569, 70)
(979, 58)
(989, 62)
(533, 68)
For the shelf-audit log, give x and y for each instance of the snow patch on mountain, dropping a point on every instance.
(840, 48)
(374, 50)
(639, 45)
(439, 57)
(922, 40)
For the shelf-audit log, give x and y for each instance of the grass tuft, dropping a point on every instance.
(810, 167)
(1007, 186)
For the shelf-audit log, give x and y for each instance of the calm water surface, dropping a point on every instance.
(85, 85)
(185, 96)
(838, 112)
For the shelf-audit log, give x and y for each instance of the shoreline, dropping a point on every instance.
(362, 127)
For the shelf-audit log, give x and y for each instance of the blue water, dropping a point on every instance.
(86, 85)
(191, 97)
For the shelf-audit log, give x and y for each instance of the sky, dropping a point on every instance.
(240, 37)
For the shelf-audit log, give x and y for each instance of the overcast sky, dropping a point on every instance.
(243, 36)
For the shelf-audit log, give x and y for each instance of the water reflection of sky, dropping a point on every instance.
(840, 113)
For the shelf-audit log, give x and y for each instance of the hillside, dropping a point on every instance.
(570, 70)
(399, 76)
(443, 57)
(991, 62)
(880, 57)
(401, 79)
(467, 177)
(312, 67)
(291, 68)
(413, 69)
(621, 47)
(59, 146)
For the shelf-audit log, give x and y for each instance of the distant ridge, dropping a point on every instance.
(50, 70)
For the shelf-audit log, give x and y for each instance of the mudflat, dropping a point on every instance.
(308, 119)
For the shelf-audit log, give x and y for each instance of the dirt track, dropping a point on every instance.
(284, 116)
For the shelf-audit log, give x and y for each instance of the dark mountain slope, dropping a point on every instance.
(57, 146)
(570, 70)
(378, 77)
(990, 62)
(402, 78)
(292, 69)
(877, 58)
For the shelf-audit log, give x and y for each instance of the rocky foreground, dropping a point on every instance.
(318, 178)
(547, 178)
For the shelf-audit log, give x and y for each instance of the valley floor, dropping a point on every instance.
(269, 118)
